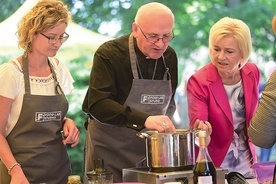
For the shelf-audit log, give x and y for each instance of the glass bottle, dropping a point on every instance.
(74, 179)
(204, 169)
(99, 175)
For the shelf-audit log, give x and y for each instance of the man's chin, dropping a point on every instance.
(154, 56)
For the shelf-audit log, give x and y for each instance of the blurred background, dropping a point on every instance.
(96, 21)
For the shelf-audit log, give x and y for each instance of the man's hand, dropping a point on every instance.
(160, 123)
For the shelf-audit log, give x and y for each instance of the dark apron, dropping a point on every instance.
(36, 141)
(120, 147)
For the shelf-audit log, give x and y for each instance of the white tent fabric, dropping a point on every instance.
(78, 34)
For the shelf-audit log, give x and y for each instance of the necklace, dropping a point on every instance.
(154, 71)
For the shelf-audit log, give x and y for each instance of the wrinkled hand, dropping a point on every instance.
(71, 132)
(206, 126)
(160, 123)
(203, 125)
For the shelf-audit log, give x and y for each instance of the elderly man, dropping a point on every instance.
(131, 88)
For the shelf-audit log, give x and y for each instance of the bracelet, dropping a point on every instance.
(15, 164)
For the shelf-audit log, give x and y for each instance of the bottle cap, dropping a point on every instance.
(202, 133)
(74, 179)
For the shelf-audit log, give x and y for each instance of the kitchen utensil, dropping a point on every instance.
(170, 151)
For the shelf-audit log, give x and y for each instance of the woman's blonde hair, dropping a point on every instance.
(45, 15)
(236, 28)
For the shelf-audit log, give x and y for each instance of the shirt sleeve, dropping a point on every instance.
(10, 77)
(262, 129)
(109, 85)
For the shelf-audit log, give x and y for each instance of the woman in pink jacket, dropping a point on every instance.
(223, 96)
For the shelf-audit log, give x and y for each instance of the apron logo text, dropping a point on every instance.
(47, 116)
(152, 99)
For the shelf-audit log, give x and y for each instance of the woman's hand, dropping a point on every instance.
(17, 176)
(206, 126)
(71, 132)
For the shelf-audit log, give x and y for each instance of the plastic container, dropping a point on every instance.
(264, 171)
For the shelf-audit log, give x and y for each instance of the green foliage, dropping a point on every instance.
(79, 61)
(7, 8)
(193, 19)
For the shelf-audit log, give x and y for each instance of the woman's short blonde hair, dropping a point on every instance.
(45, 15)
(236, 28)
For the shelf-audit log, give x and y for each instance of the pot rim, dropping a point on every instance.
(177, 131)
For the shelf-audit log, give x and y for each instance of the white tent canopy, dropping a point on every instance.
(78, 34)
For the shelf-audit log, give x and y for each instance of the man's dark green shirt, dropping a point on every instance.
(111, 80)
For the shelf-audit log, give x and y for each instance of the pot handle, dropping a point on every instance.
(143, 135)
(196, 130)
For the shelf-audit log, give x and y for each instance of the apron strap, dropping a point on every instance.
(133, 58)
(26, 77)
(58, 87)
(167, 75)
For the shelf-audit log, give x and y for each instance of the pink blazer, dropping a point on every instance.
(207, 100)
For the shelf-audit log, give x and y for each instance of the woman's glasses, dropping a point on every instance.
(53, 40)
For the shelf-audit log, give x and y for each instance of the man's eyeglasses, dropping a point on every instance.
(53, 40)
(155, 39)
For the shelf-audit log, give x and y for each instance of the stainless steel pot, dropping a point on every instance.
(170, 151)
